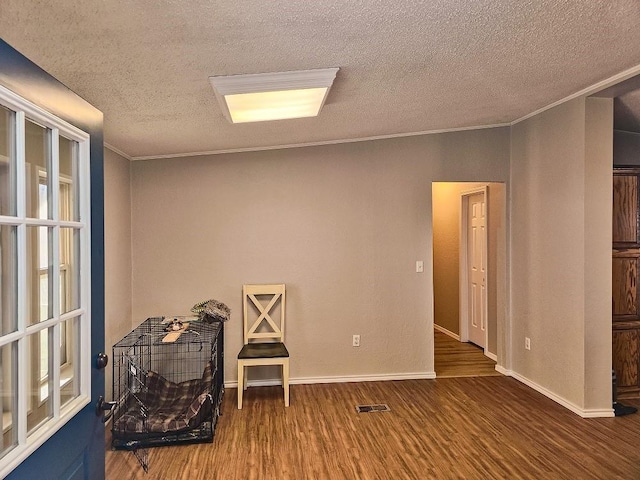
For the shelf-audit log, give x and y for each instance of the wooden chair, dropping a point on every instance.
(263, 338)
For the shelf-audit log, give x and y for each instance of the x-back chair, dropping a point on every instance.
(264, 335)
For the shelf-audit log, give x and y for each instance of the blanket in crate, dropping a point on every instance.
(164, 406)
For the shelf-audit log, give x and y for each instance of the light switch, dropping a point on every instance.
(419, 266)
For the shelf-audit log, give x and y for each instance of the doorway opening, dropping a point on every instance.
(469, 277)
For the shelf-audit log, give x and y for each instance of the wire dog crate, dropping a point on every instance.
(167, 383)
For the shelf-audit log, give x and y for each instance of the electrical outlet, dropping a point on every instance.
(527, 343)
(356, 341)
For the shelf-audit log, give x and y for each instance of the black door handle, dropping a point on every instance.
(102, 361)
(104, 406)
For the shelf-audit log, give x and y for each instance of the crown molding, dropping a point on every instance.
(316, 144)
(117, 151)
(626, 132)
(585, 92)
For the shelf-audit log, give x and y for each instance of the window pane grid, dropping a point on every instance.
(8, 399)
(68, 174)
(38, 170)
(39, 401)
(54, 377)
(10, 221)
(39, 288)
(7, 162)
(8, 279)
(14, 336)
(44, 265)
(69, 373)
(39, 223)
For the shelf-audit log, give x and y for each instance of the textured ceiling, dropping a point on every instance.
(405, 66)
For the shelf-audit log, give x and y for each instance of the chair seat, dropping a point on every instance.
(263, 350)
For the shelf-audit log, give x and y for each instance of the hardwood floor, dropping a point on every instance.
(455, 359)
(469, 428)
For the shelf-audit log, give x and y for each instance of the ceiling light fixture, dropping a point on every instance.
(273, 96)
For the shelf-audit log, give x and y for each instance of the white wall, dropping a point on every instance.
(341, 225)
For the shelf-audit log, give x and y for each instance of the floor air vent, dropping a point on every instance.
(378, 407)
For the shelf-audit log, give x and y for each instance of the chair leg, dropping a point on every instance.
(240, 383)
(285, 381)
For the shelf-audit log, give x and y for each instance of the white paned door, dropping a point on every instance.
(477, 261)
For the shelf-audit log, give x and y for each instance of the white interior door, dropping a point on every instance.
(477, 265)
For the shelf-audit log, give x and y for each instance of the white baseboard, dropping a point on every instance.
(338, 379)
(490, 355)
(446, 332)
(584, 413)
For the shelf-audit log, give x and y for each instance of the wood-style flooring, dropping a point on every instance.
(455, 359)
(449, 428)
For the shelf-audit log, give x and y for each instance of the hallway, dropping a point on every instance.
(456, 359)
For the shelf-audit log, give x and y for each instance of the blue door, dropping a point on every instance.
(75, 451)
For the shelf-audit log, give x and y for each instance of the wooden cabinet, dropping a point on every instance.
(625, 268)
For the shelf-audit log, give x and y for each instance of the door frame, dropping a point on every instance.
(464, 265)
(77, 448)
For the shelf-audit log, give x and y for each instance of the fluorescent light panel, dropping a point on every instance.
(277, 105)
(273, 96)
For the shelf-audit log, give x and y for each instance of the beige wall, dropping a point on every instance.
(498, 279)
(341, 225)
(446, 256)
(597, 266)
(117, 246)
(560, 268)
